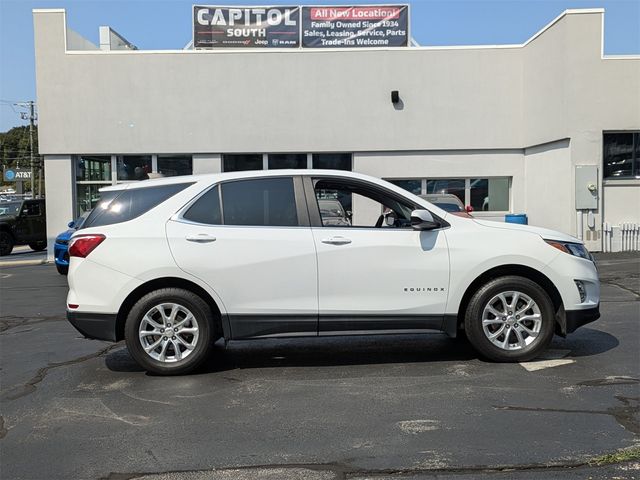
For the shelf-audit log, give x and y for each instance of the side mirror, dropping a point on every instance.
(71, 224)
(468, 209)
(423, 220)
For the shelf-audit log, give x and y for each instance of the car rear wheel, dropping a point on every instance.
(510, 319)
(38, 246)
(6, 243)
(170, 331)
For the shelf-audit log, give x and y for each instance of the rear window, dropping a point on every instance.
(124, 205)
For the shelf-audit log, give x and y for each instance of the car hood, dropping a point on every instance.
(66, 235)
(8, 218)
(545, 233)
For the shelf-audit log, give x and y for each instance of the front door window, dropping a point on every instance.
(353, 204)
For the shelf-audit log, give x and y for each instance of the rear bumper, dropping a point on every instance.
(578, 318)
(99, 326)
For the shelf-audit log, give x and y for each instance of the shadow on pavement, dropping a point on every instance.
(357, 350)
(318, 352)
(586, 342)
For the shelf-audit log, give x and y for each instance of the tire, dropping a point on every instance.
(6, 243)
(514, 343)
(38, 246)
(62, 269)
(147, 310)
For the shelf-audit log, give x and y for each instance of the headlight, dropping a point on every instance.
(575, 249)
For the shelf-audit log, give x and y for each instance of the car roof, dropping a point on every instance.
(217, 177)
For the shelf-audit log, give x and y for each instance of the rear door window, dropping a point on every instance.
(260, 202)
(206, 209)
(123, 205)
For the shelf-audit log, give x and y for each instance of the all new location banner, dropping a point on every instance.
(355, 26)
(218, 27)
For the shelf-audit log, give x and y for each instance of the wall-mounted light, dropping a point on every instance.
(395, 97)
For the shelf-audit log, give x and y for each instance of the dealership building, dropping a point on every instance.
(548, 128)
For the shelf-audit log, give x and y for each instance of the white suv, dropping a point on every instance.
(171, 265)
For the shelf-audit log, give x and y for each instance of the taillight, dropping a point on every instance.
(83, 245)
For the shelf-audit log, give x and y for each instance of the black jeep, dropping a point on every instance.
(22, 222)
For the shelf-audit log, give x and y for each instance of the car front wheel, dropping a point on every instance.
(510, 319)
(170, 331)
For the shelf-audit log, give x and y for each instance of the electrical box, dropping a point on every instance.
(586, 187)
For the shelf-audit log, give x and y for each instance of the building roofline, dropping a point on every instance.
(571, 11)
(48, 10)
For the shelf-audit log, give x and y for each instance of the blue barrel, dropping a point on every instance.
(520, 218)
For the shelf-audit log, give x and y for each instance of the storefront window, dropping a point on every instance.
(174, 165)
(133, 167)
(413, 186)
(87, 195)
(93, 168)
(483, 194)
(332, 161)
(621, 159)
(287, 160)
(453, 186)
(241, 162)
(489, 194)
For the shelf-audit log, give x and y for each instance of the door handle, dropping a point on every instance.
(336, 241)
(201, 238)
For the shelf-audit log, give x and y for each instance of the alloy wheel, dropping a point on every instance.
(168, 332)
(511, 320)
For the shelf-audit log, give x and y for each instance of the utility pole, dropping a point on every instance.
(31, 116)
(31, 119)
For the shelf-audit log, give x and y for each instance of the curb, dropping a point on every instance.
(18, 263)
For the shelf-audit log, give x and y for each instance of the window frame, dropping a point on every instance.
(298, 193)
(635, 160)
(315, 218)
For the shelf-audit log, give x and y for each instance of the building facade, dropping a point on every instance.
(548, 128)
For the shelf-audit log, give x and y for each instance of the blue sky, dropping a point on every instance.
(166, 24)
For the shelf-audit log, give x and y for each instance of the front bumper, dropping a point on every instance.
(61, 254)
(99, 326)
(578, 318)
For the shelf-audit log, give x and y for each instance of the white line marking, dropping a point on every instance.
(549, 359)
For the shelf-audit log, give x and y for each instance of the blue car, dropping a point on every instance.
(61, 246)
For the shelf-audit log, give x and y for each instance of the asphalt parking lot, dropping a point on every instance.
(361, 407)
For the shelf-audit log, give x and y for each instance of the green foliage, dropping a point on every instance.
(624, 455)
(14, 146)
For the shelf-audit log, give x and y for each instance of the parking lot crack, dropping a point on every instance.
(30, 386)
(623, 287)
(10, 321)
(342, 471)
(626, 414)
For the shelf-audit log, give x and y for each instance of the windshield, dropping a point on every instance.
(10, 208)
(448, 207)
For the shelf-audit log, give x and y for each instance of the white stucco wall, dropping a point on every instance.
(467, 111)
(59, 194)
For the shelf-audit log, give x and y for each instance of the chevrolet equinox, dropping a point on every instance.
(171, 265)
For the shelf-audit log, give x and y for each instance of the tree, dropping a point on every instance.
(14, 148)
